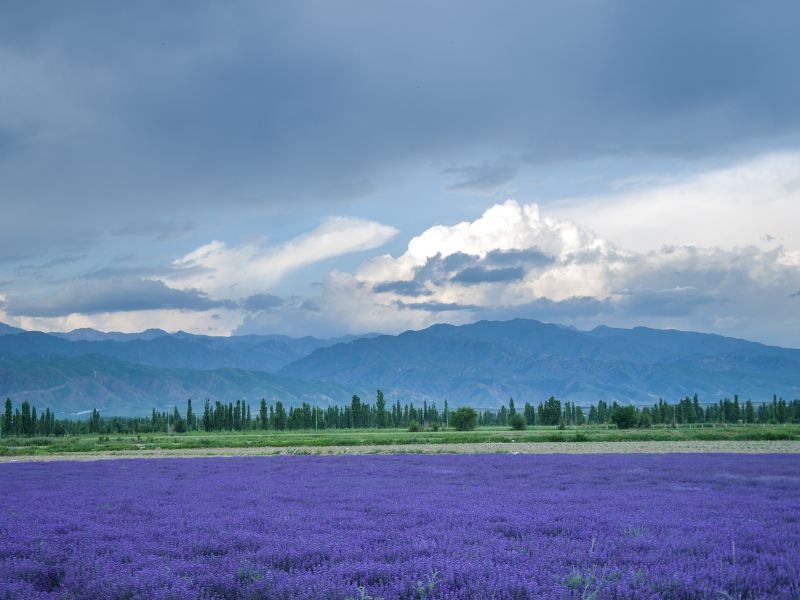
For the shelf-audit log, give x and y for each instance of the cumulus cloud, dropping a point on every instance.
(239, 271)
(513, 261)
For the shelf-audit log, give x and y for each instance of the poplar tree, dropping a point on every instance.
(262, 414)
(380, 410)
(7, 419)
(280, 416)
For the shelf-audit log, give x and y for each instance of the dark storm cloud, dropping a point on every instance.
(110, 295)
(475, 275)
(497, 266)
(404, 288)
(261, 302)
(667, 302)
(110, 110)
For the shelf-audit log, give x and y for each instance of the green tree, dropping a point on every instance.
(355, 412)
(7, 419)
(94, 421)
(380, 410)
(624, 417)
(208, 421)
(464, 418)
(749, 412)
(517, 422)
(178, 424)
(189, 415)
(551, 412)
(280, 416)
(530, 414)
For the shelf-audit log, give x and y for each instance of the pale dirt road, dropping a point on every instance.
(754, 447)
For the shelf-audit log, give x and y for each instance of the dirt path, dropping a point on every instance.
(755, 447)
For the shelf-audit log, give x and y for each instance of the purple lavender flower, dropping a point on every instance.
(594, 526)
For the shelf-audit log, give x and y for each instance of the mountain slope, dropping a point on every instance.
(75, 384)
(180, 350)
(486, 362)
(9, 330)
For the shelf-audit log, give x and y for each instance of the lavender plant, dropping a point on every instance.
(494, 526)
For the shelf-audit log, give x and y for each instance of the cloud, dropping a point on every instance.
(473, 275)
(153, 229)
(512, 261)
(436, 307)
(210, 322)
(258, 302)
(122, 294)
(502, 228)
(722, 206)
(481, 179)
(262, 105)
(240, 271)
(60, 261)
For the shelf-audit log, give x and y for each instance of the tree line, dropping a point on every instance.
(26, 421)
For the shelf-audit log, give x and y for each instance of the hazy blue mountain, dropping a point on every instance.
(480, 364)
(487, 362)
(72, 385)
(9, 330)
(160, 349)
(87, 334)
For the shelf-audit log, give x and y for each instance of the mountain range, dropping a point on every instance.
(481, 364)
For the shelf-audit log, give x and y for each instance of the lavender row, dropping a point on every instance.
(496, 526)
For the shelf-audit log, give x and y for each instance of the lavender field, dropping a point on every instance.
(488, 526)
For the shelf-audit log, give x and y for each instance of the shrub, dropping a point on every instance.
(517, 422)
(413, 426)
(464, 419)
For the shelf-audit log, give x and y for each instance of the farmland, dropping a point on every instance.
(556, 526)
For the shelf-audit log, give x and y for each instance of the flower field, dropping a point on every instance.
(486, 526)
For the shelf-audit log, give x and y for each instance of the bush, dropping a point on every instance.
(413, 426)
(517, 422)
(464, 419)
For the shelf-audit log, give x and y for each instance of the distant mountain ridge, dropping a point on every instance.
(75, 385)
(160, 349)
(486, 362)
(481, 364)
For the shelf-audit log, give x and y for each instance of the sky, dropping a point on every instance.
(323, 168)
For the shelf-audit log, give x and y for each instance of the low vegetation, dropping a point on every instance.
(16, 446)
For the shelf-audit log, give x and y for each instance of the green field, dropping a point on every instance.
(381, 437)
